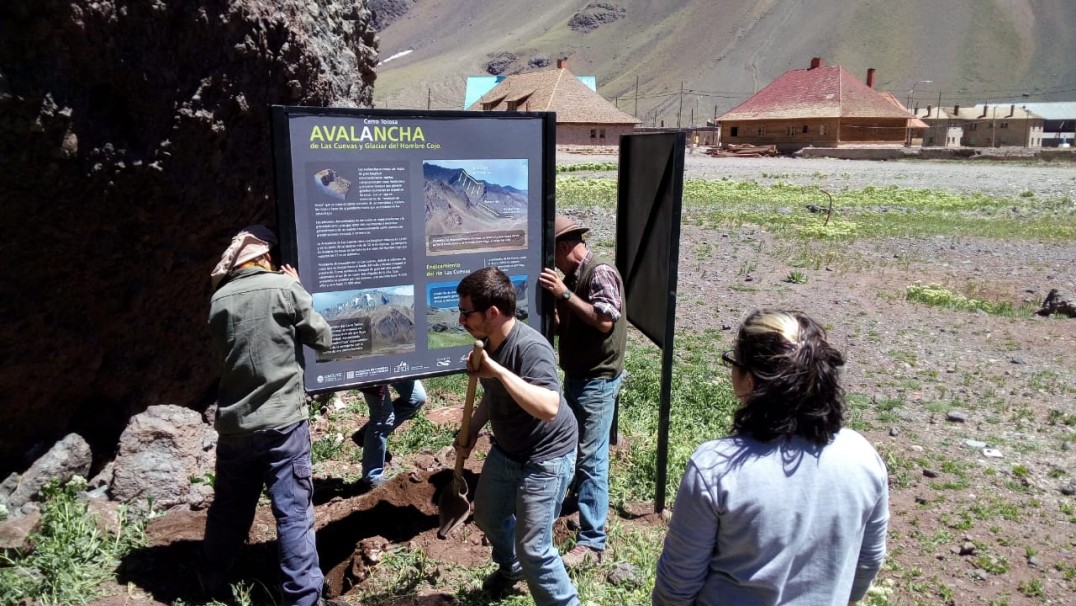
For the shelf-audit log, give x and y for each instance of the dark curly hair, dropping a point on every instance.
(796, 373)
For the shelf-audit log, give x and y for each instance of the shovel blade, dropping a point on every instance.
(453, 507)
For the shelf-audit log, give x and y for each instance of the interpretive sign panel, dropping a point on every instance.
(384, 212)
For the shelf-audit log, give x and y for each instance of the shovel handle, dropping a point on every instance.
(468, 407)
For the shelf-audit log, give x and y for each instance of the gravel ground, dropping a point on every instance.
(975, 413)
(994, 178)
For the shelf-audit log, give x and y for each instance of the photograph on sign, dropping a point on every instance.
(384, 212)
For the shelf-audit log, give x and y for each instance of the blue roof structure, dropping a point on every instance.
(1063, 110)
(480, 85)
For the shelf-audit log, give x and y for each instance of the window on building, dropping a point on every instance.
(973, 126)
(790, 131)
(761, 131)
(821, 129)
(593, 133)
(1003, 125)
(805, 129)
(601, 133)
(734, 131)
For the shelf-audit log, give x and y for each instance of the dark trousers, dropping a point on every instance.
(280, 460)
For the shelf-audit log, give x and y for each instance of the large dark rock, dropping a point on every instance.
(163, 455)
(67, 459)
(134, 142)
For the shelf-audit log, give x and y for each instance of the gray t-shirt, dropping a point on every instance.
(522, 437)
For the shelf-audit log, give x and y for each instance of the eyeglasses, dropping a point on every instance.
(466, 312)
(730, 362)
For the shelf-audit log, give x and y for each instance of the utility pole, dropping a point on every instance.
(994, 126)
(429, 97)
(636, 113)
(941, 136)
(680, 112)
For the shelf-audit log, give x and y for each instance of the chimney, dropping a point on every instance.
(985, 107)
(1012, 111)
(956, 110)
(562, 63)
(928, 112)
(817, 62)
(870, 77)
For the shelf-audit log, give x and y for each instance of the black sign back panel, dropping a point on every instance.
(650, 188)
(384, 212)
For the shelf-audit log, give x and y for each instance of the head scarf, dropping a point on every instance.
(249, 244)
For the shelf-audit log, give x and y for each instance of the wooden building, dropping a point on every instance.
(583, 116)
(819, 106)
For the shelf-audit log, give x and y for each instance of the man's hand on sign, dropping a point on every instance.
(550, 280)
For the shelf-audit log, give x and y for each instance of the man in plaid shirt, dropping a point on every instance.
(592, 328)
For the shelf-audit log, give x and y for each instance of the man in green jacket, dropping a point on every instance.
(259, 318)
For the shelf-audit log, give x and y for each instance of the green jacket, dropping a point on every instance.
(259, 321)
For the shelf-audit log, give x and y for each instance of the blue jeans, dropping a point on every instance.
(279, 459)
(515, 505)
(592, 401)
(386, 415)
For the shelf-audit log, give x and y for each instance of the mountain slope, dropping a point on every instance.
(971, 51)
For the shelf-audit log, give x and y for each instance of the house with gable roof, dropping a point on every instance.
(583, 116)
(819, 106)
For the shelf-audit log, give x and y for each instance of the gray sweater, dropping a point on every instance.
(784, 522)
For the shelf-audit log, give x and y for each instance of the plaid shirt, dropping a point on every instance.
(604, 292)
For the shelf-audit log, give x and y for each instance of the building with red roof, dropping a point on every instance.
(819, 106)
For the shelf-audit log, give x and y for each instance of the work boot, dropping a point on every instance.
(499, 582)
(580, 555)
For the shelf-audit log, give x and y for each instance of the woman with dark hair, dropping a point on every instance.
(790, 509)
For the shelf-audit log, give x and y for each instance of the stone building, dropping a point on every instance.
(998, 125)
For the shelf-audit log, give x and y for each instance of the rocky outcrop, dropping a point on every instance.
(67, 459)
(134, 142)
(164, 455)
(385, 12)
(594, 15)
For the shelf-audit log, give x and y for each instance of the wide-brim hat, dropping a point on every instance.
(564, 226)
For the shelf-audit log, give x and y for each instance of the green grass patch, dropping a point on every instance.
(868, 212)
(939, 296)
(587, 166)
(702, 407)
(422, 435)
(72, 557)
(326, 448)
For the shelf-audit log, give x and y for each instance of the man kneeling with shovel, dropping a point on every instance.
(526, 474)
